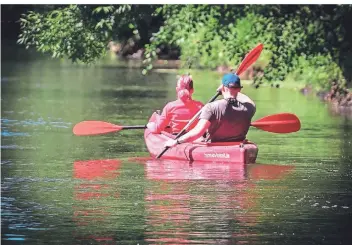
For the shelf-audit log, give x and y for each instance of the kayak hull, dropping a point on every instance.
(234, 152)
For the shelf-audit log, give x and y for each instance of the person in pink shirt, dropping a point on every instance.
(177, 114)
(223, 120)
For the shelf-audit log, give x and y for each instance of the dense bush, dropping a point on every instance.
(312, 41)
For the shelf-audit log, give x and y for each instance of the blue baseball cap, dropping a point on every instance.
(231, 80)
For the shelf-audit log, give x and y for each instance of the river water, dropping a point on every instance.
(57, 188)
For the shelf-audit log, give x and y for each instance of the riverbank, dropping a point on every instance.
(339, 100)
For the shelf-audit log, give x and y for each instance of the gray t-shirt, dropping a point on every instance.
(230, 119)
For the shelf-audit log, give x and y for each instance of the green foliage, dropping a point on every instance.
(80, 32)
(317, 71)
(293, 36)
(206, 36)
(294, 40)
(67, 32)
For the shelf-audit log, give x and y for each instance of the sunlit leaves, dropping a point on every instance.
(80, 32)
(209, 36)
(104, 9)
(62, 33)
(295, 37)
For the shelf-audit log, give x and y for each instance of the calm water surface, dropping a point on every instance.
(57, 188)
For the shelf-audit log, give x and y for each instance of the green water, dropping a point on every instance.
(57, 188)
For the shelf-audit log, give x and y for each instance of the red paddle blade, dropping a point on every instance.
(279, 123)
(250, 58)
(94, 128)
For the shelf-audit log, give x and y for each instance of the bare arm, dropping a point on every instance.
(161, 121)
(192, 135)
(196, 132)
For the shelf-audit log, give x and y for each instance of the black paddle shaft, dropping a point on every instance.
(137, 127)
(185, 128)
(134, 127)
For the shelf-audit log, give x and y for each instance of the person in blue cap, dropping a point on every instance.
(227, 119)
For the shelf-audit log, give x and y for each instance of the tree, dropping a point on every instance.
(295, 37)
(82, 32)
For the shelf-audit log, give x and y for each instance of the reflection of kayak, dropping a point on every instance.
(184, 170)
(236, 152)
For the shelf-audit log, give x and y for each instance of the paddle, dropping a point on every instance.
(248, 60)
(100, 127)
(281, 123)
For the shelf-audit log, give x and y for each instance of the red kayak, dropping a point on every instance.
(234, 152)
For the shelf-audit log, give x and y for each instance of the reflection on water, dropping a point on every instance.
(53, 191)
(204, 202)
(184, 202)
(89, 194)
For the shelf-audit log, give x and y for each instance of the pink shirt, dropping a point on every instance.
(177, 114)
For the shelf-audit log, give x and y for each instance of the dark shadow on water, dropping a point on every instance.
(346, 151)
(134, 93)
(122, 93)
(135, 66)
